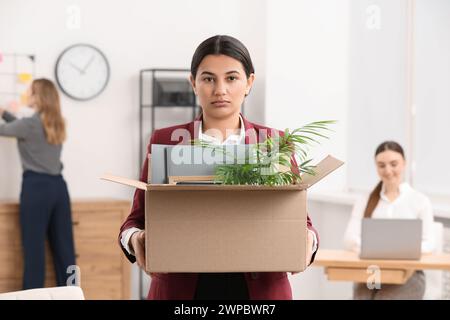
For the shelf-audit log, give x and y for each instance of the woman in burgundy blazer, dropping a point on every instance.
(221, 75)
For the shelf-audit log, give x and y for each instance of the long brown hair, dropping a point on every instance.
(375, 194)
(46, 98)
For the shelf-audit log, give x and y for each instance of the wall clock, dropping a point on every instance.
(82, 71)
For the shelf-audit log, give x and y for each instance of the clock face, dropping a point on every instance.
(82, 71)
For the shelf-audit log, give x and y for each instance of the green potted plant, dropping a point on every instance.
(269, 163)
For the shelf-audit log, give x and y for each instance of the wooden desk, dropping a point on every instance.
(105, 272)
(341, 265)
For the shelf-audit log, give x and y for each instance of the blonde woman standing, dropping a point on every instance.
(44, 200)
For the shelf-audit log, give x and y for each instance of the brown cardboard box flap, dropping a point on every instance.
(323, 168)
(128, 182)
(173, 187)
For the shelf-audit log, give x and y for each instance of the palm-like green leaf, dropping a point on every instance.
(271, 154)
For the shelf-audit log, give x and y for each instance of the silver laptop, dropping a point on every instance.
(391, 239)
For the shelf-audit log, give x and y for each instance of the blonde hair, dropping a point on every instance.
(46, 99)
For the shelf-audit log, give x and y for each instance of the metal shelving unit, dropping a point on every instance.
(146, 102)
(153, 101)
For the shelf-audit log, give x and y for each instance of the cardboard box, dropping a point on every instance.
(227, 228)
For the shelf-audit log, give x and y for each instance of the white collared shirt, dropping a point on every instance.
(410, 204)
(231, 139)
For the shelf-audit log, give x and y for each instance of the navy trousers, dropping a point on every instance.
(45, 213)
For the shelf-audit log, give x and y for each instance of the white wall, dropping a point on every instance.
(432, 97)
(307, 52)
(307, 58)
(378, 95)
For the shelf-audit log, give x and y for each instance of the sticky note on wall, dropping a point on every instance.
(24, 77)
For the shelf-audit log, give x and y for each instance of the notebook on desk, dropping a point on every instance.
(391, 239)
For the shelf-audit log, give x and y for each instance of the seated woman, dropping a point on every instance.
(391, 199)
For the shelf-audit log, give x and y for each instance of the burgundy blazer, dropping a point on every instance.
(175, 286)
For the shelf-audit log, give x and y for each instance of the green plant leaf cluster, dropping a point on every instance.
(270, 162)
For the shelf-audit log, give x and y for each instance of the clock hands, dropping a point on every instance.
(82, 71)
(76, 67)
(88, 64)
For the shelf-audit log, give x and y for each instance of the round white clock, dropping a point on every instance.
(82, 71)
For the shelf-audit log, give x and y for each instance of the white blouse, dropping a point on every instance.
(410, 204)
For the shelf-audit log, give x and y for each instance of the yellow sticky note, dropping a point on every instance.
(24, 77)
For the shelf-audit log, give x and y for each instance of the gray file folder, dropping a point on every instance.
(188, 160)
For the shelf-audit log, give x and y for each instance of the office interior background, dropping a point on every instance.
(379, 67)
